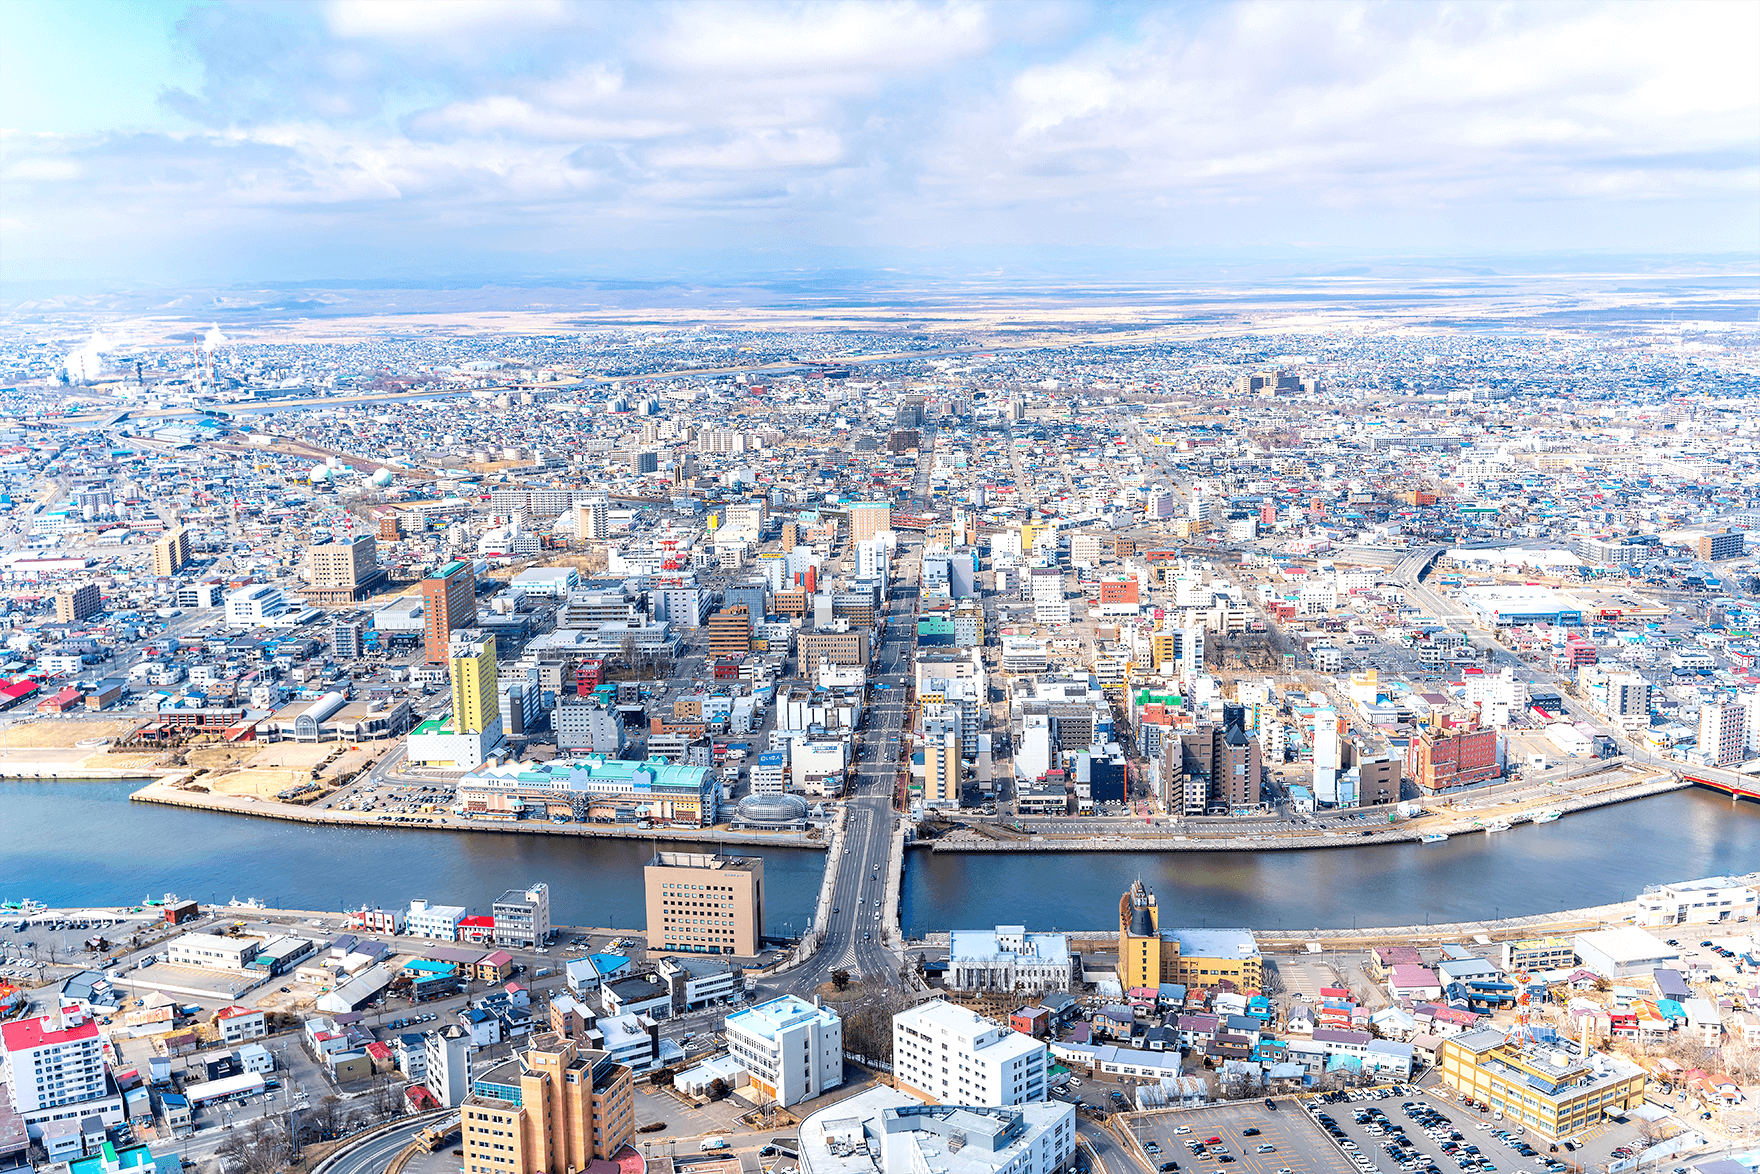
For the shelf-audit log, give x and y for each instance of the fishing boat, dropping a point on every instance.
(1433, 838)
(1547, 816)
(1499, 826)
(247, 903)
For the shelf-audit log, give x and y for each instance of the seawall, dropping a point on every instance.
(165, 793)
(1203, 840)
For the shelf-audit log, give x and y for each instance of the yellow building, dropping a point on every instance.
(475, 704)
(1149, 955)
(1553, 1088)
(557, 1107)
(941, 769)
(1139, 938)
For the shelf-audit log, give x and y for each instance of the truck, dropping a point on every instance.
(713, 1143)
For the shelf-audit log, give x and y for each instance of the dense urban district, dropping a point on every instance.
(866, 593)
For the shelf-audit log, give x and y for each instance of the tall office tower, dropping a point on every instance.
(449, 600)
(729, 632)
(1139, 938)
(170, 553)
(700, 903)
(941, 765)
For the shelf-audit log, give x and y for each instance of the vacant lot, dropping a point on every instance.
(47, 733)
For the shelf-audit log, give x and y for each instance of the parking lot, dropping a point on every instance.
(1494, 1155)
(1301, 1147)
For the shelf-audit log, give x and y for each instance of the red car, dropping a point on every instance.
(1212, 1141)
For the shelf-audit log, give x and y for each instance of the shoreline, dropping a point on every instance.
(966, 839)
(164, 793)
(1338, 939)
(1408, 832)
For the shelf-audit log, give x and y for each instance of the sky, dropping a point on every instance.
(148, 143)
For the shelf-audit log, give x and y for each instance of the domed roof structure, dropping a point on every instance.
(772, 809)
(319, 473)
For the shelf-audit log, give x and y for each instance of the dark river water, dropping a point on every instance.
(77, 844)
(72, 844)
(1591, 858)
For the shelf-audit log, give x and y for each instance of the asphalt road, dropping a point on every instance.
(373, 1156)
(852, 935)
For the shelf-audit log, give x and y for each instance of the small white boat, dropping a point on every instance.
(1499, 826)
(1547, 816)
(247, 903)
(1433, 838)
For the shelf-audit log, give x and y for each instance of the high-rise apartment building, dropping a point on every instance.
(592, 519)
(1720, 733)
(77, 603)
(556, 1107)
(55, 1068)
(343, 572)
(949, 1055)
(700, 903)
(941, 768)
(449, 600)
(170, 553)
(792, 1048)
(471, 663)
(868, 518)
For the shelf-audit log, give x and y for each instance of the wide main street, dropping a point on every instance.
(853, 937)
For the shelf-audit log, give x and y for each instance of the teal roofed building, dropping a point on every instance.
(137, 1159)
(593, 788)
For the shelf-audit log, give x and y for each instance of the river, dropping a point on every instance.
(71, 844)
(80, 844)
(1589, 858)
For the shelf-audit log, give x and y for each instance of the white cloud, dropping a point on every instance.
(929, 123)
(425, 20)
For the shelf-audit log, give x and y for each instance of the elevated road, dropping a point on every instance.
(375, 1154)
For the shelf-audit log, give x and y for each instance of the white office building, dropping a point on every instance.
(254, 606)
(1697, 902)
(949, 1054)
(793, 1049)
(433, 921)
